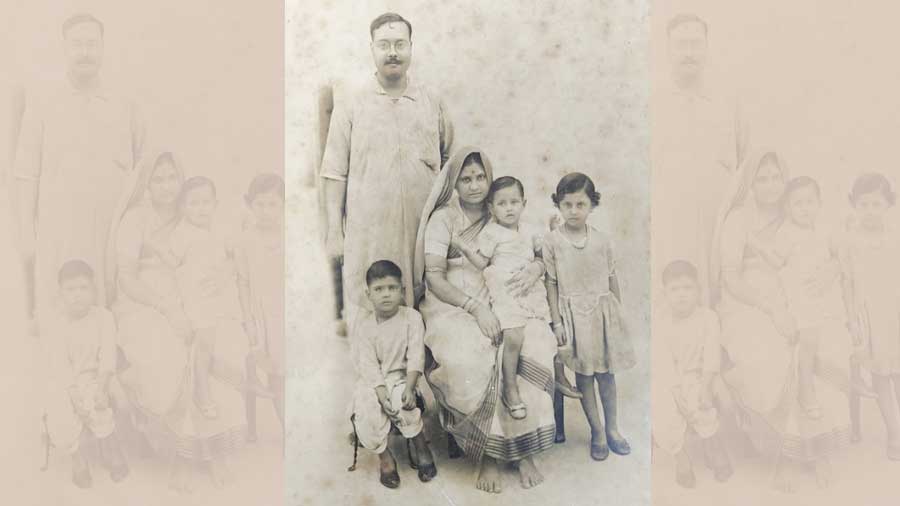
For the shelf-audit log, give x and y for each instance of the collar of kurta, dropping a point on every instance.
(96, 92)
(412, 91)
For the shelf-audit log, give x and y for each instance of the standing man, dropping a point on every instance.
(386, 144)
(699, 140)
(76, 147)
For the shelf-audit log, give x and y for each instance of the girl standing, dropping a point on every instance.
(585, 308)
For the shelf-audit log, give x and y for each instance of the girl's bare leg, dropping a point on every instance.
(512, 347)
(809, 341)
(617, 443)
(888, 404)
(276, 385)
(489, 479)
(529, 476)
(599, 449)
(219, 473)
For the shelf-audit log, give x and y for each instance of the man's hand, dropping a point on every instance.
(334, 244)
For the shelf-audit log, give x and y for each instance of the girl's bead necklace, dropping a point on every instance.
(577, 244)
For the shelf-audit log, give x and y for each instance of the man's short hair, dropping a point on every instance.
(75, 269)
(81, 18)
(679, 269)
(383, 269)
(686, 18)
(388, 17)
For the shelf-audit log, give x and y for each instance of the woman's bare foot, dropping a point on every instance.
(219, 473)
(782, 481)
(513, 402)
(529, 476)
(823, 473)
(489, 477)
(180, 479)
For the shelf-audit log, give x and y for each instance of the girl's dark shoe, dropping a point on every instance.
(427, 473)
(599, 452)
(618, 446)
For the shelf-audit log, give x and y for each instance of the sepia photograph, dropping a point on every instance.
(142, 253)
(776, 318)
(468, 250)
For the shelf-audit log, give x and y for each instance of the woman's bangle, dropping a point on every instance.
(556, 325)
(468, 304)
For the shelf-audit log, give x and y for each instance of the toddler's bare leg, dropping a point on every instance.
(809, 343)
(887, 402)
(512, 347)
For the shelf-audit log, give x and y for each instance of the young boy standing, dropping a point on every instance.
(81, 351)
(687, 360)
(391, 352)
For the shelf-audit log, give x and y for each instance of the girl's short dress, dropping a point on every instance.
(596, 330)
(877, 295)
(511, 251)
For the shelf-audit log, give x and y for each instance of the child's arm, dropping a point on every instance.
(552, 287)
(842, 252)
(472, 254)
(415, 358)
(243, 282)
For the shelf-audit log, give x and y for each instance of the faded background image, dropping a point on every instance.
(544, 88)
(207, 78)
(815, 83)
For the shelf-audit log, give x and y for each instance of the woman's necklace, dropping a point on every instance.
(577, 244)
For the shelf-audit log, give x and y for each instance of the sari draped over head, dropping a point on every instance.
(443, 190)
(737, 196)
(465, 372)
(136, 194)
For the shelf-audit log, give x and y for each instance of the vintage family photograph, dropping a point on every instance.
(776, 325)
(142, 253)
(479, 261)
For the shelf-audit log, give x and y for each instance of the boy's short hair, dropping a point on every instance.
(383, 269)
(501, 183)
(679, 269)
(75, 269)
(264, 183)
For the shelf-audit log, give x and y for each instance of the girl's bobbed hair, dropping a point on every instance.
(872, 182)
(264, 183)
(573, 183)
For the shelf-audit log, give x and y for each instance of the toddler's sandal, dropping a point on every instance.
(209, 411)
(517, 411)
(893, 453)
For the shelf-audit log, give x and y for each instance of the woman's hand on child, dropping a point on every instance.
(457, 242)
(521, 282)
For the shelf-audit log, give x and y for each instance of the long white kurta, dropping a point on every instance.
(79, 147)
(389, 151)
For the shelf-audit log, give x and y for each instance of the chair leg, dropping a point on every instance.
(453, 449)
(855, 425)
(559, 416)
(250, 400)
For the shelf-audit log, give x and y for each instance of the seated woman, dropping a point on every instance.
(155, 334)
(758, 331)
(461, 329)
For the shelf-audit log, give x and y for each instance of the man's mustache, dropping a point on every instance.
(392, 60)
(690, 61)
(86, 60)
